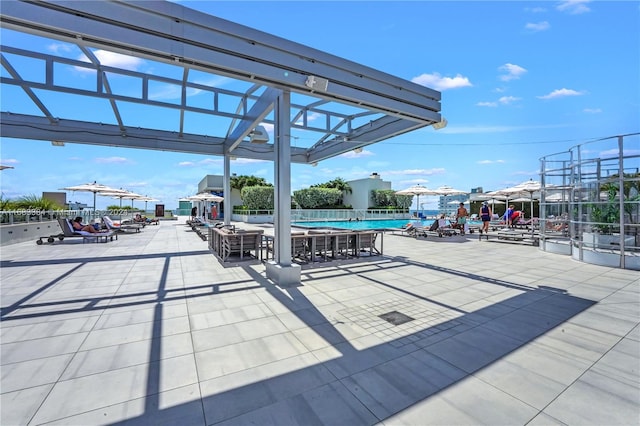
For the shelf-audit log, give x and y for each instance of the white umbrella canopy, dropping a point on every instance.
(416, 190)
(528, 187)
(146, 199)
(204, 196)
(125, 195)
(446, 190)
(94, 187)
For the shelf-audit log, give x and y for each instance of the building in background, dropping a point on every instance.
(360, 197)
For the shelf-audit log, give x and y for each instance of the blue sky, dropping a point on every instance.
(519, 80)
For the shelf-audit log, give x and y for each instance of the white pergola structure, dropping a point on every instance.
(327, 104)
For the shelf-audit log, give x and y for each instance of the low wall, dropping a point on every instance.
(251, 218)
(11, 234)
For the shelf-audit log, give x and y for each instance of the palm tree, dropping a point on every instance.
(337, 183)
(239, 182)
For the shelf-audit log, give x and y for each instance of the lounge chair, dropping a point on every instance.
(69, 232)
(121, 227)
(445, 228)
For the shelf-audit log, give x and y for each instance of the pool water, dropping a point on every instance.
(361, 224)
(366, 224)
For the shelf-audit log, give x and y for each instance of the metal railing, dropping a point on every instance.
(590, 201)
(11, 217)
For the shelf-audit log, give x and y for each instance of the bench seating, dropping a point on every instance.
(322, 245)
(235, 244)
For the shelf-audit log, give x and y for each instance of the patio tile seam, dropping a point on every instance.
(587, 370)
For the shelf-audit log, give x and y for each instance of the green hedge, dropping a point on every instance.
(318, 198)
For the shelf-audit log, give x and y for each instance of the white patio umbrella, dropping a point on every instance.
(94, 187)
(446, 190)
(205, 196)
(529, 187)
(126, 195)
(416, 190)
(146, 199)
(520, 200)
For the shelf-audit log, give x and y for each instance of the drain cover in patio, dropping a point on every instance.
(396, 318)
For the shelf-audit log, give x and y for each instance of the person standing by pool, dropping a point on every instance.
(461, 218)
(485, 216)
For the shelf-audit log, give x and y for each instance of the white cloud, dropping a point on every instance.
(574, 7)
(491, 162)
(186, 164)
(59, 47)
(248, 161)
(310, 118)
(112, 160)
(353, 154)
(422, 172)
(487, 104)
(513, 72)
(9, 161)
(504, 100)
(136, 185)
(592, 110)
(561, 93)
(508, 99)
(615, 152)
(410, 182)
(538, 26)
(437, 82)
(165, 91)
(113, 59)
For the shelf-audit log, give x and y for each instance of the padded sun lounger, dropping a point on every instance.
(120, 228)
(69, 232)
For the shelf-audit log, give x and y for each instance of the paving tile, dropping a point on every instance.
(20, 406)
(597, 400)
(40, 348)
(27, 374)
(87, 393)
(232, 358)
(330, 404)
(390, 387)
(180, 406)
(134, 332)
(238, 393)
(48, 329)
(468, 402)
(103, 359)
(475, 348)
(532, 388)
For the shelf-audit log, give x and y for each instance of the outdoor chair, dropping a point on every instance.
(111, 226)
(69, 232)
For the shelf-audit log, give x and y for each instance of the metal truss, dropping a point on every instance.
(338, 105)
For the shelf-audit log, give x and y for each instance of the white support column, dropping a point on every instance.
(226, 189)
(281, 270)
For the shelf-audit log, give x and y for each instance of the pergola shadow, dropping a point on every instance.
(350, 386)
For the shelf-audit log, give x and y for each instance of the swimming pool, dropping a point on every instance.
(360, 224)
(366, 224)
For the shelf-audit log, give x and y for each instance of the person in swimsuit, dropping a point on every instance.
(461, 218)
(79, 226)
(485, 216)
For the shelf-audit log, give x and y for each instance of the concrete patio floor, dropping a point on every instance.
(152, 329)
